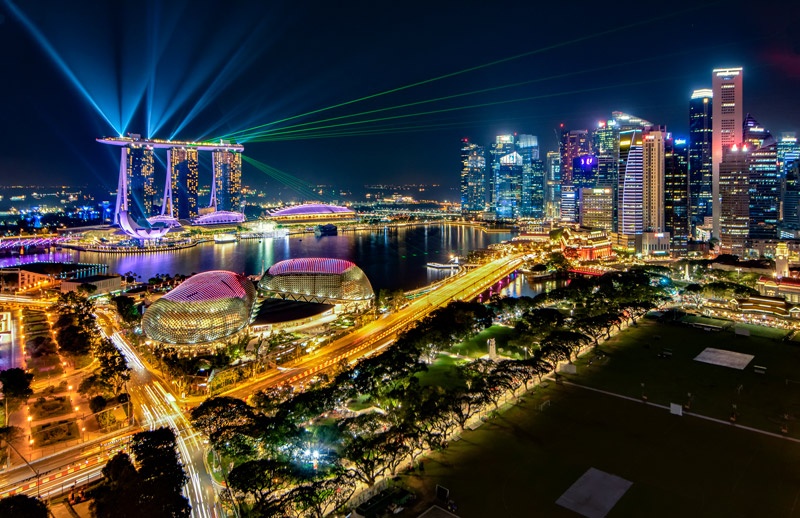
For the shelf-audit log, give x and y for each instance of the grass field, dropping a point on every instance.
(476, 347)
(633, 358)
(520, 463)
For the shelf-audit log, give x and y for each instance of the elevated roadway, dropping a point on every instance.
(378, 334)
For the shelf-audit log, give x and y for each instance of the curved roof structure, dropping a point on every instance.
(311, 209)
(206, 307)
(133, 229)
(317, 279)
(219, 217)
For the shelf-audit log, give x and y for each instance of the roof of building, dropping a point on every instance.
(47, 268)
(213, 285)
(311, 208)
(311, 265)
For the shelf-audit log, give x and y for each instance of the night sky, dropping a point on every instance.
(74, 71)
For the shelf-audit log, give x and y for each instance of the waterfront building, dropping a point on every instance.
(734, 191)
(552, 195)
(226, 192)
(180, 191)
(206, 307)
(49, 274)
(313, 213)
(727, 120)
(586, 244)
(473, 177)
(102, 283)
(700, 168)
(676, 193)
(319, 280)
(596, 207)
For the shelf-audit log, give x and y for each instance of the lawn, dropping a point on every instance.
(763, 331)
(442, 372)
(521, 462)
(633, 364)
(697, 319)
(476, 346)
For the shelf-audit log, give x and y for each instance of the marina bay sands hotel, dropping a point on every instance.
(138, 200)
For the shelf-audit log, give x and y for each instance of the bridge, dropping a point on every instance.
(585, 270)
(380, 333)
(11, 243)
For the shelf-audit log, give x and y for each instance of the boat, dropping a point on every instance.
(225, 238)
(326, 230)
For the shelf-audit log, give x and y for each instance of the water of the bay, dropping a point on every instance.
(392, 258)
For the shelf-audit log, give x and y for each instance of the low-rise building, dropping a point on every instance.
(103, 283)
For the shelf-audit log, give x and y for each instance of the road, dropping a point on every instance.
(380, 333)
(158, 407)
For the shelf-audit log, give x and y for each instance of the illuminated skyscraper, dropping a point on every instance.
(676, 193)
(508, 186)
(503, 145)
(182, 199)
(532, 203)
(605, 145)
(574, 143)
(765, 180)
(140, 170)
(700, 171)
(653, 181)
(791, 196)
(630, 177)
(596, 207)
(227, 186)
(726, 85)
(473, 177)
(552, 194)
(734, 190)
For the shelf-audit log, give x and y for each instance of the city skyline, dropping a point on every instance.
(270, 71)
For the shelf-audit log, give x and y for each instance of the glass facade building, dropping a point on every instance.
(320, 280)
(206, 307)
(700, 133)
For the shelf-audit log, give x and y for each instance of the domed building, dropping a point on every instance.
(204, 308)
(313, 213)
(320, 280)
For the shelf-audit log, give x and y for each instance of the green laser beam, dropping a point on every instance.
(275, 131)
(286, 179)
(480, 105)
(541, 50)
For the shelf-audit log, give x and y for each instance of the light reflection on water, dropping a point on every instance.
(391, 259)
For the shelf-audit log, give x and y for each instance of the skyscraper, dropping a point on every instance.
(605, 145)
(552, 194)
(508, 186)
(700, 170)
(676, 193)
(734, 191)
(140, 170)
(596, 207)
(765, 181)
(227, 186)
(182, 163)
(726, 86)
(473, 177)
(532, 200)
(574, 143)
(503, 145)
(630, 177)
(653, 181)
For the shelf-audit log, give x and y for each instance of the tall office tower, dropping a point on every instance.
(788, 151)
(653, 181)
(676, 193)
(569, 205)
(726, 122)
(734, 191)
(473, 177)
(700, 137)
(791, 196)
(552, 193)
(596, 207)
(630, 201)
(765, 179)
(532, 195)
(574, 143)
(508, 186)
(503, 145)
(584, 172)
(140, 166)
(182, 200)
(605, 145)
(227, 185)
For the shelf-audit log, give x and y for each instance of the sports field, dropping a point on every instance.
(520, 463)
